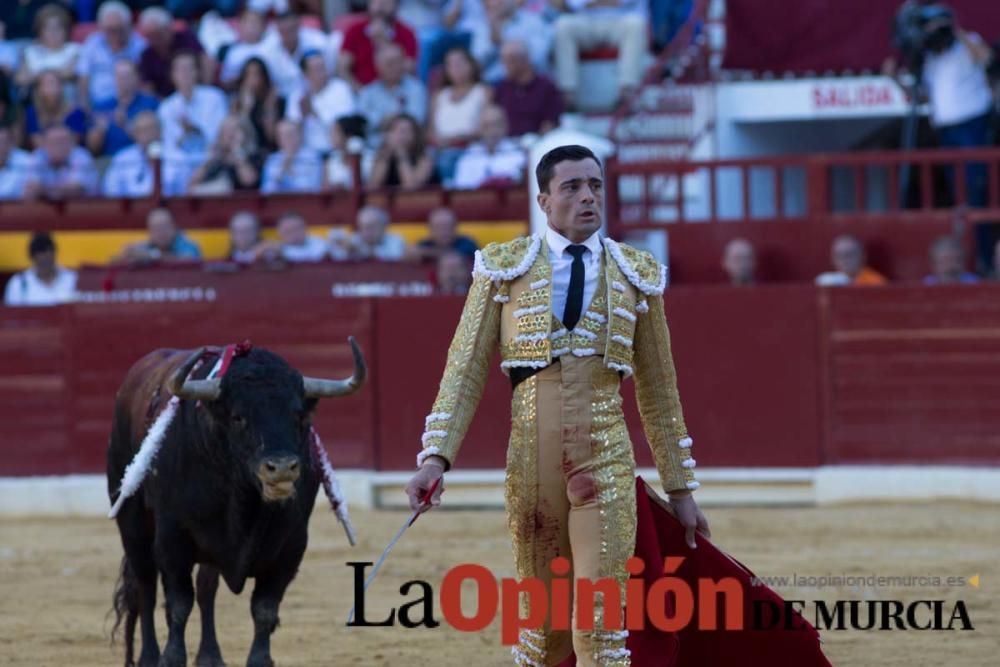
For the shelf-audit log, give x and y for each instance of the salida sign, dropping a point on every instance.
(853, 96)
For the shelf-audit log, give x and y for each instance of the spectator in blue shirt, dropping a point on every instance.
(165, 243)
(60, 168)
(295, 167)
(108, 133)
(15, 166)
(115, 40)
(49, 108)
(948, 263)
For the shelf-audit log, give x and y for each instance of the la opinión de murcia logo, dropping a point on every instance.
(642, 604)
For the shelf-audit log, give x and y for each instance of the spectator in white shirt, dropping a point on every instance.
(295, 242)
(61, 168)
(347, 137)
(959, 92)
(45, 283)
(494, 159)
(130, 173)
(191, 117)
(251, 44)
(320, 103)
(287, 45)
(371, 241)
(50, 50)
(294, 168)
(15, 166)
(592, 23)
(115, 40)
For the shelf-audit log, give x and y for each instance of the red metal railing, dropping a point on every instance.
(842, 186)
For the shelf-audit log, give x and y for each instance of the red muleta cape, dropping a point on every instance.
(659, 534)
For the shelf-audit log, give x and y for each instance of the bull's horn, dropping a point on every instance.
(180, 386)
(318, 388)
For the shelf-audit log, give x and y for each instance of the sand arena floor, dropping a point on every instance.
(56, 580)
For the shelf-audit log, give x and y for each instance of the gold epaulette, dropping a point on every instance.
(639, 267)
(506, 261)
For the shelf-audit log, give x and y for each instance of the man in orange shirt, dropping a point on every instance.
(848, 256)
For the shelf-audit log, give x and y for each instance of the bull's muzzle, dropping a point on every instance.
(277, 477)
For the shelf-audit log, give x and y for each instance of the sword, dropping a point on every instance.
(402, 529)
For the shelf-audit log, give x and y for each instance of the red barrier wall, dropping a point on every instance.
(57, 399)
(915, 370)
(771, 376)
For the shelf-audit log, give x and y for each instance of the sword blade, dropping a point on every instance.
(402, 529)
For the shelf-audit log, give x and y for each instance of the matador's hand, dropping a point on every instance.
(431, 471)
(687, 512)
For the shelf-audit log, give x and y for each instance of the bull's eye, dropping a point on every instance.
(239, 420)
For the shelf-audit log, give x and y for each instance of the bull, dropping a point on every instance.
(231, 490)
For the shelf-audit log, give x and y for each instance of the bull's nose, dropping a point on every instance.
(276, 469)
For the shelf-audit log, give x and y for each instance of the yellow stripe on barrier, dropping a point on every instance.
(100, 246)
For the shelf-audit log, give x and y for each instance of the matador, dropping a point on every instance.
(573, 314)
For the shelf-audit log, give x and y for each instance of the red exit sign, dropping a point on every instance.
(852, 96)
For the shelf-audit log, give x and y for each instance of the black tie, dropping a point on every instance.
(574, 297)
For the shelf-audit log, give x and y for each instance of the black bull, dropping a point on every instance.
(231, 489)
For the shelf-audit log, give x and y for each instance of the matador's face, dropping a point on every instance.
(575, 199)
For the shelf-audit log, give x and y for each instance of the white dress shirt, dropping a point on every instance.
(14, 173)
(206, 110)
(303, 174)
(957, 84)
(130, 174)
(336, 99)
(478, 164)
(25, 289)
(314, 249)
(562, 263)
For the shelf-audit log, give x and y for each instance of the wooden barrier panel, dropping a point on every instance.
(913, 374)
(770, 376)
(97, 343)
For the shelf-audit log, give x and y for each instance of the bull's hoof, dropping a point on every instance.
(209, 659)
(173, 657)
(260, 660)
(151, 659)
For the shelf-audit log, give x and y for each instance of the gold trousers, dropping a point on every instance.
(570, 492)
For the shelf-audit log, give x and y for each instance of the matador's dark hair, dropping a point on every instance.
(547, 165)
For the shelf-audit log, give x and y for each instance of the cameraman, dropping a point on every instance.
(954, 73)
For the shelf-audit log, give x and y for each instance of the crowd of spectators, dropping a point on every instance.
(447, 254)
(848, 258)
(254, 95)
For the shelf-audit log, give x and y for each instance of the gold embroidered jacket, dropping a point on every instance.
(510, 304)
